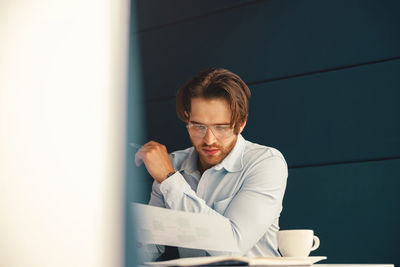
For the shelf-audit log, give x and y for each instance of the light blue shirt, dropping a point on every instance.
(247, 187)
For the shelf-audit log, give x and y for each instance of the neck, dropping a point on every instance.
(202, 167)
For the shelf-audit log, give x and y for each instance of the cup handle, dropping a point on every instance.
(316, 243)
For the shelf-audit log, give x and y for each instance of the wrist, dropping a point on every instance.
(165, 177)
(170, 174)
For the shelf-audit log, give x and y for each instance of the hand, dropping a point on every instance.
(155, 158)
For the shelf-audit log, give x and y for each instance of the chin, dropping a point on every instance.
(212, 160)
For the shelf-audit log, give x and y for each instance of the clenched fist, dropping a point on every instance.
(155, 158)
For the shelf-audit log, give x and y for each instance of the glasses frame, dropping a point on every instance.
(211, 127)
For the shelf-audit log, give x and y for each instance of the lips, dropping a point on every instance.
(210, 151)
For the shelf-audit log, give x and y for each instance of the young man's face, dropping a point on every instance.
(210, 112)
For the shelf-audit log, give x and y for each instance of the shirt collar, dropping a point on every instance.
(233, 162)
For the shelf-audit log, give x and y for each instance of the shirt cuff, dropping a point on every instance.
(174, 187)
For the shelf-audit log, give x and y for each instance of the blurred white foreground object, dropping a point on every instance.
(62, 115)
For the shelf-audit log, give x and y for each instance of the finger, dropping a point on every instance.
(138, 162)
(140, 156)
(138, 159)
(149, 144)
(156, 146)
(152, 143)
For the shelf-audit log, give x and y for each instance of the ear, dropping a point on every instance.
(186, 115)
(242, 126)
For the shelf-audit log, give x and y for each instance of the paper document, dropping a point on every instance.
(183, 229)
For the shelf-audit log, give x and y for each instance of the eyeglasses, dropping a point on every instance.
(199, 130)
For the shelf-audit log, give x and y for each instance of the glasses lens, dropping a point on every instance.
(219, 131)
(197, 130)
(222, 131)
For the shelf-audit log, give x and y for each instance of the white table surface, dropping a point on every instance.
(330, 265)
(354, 265)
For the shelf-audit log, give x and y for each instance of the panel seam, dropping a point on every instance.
(218, 11)
(156, 99)
(342, 162)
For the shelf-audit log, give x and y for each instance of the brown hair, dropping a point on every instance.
(216, 83)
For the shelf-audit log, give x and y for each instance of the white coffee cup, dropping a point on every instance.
(297, 243)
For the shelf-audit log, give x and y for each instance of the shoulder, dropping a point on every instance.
(256, 154)
(264, 167)
(253, 150)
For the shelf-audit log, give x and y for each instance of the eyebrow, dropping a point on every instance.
(196, 122)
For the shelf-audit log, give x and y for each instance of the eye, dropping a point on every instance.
(199, 127)
(221, 128)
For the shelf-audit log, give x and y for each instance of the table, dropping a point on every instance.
(329, 265)
(353, 265)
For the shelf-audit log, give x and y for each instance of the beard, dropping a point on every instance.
(211, 155)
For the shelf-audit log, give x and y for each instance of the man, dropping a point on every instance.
(222, 174)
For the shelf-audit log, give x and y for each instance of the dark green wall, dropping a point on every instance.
(325, 79)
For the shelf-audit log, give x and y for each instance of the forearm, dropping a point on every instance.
(178, 195)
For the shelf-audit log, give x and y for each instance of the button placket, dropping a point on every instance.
(202, 185)
(200, 188)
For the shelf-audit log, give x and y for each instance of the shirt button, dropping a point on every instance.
(165, 191)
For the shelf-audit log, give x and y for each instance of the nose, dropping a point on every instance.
(209, 137)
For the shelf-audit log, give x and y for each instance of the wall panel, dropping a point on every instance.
(160, 13)
(353, 208)
(345, 115)
(270, 39)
